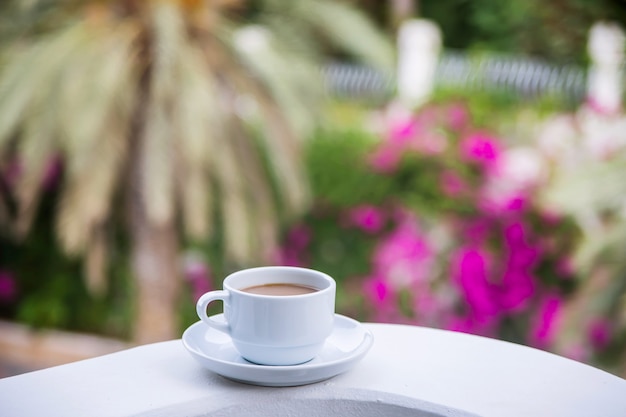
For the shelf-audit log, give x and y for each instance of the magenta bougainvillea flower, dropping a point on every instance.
(546, 322)
(518, 282)
(401, 261)
(398, 137)
(293, 252)
(198, 274)
(377, 290)
(416, 133)
(366, 217)
(404, 256)
(494, 287)
(452, 184)
(600, 332)
(473, 266)
(382, 297)
(8, 287)
(480, 148)
(386, 159)
(457, 116)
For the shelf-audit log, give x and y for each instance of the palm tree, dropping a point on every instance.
(592, 190)
(165, 111)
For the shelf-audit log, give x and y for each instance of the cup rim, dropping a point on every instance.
(331, 282)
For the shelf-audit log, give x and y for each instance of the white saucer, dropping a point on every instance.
(214, 350)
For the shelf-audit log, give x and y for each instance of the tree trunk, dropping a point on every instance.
(154, 265)
(154, 253)
(401, 10)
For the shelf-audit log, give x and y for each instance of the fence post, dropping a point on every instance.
(604, 83)
(419, 45)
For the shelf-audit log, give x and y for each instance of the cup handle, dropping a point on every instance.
(203, 303)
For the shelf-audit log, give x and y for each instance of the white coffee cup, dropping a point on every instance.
(274, 329)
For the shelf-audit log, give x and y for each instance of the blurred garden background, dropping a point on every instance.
(451, 163)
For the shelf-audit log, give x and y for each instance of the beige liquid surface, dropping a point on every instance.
(280, 289)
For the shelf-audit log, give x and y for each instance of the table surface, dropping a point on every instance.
(436, 371)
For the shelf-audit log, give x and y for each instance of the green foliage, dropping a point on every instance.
(51, 291)
(494, 109)
(338, 171)
(554, 30)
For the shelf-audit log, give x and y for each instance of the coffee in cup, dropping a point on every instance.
(280, 289)
(275, 315)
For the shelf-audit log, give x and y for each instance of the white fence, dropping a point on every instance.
(515, 74)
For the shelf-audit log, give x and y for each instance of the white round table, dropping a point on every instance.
(410, 371)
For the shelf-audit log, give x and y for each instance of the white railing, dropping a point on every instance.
(513, 73)
(516, 74)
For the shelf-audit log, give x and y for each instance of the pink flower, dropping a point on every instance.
(565, 267)
(518, 283)
(430, 143)
(402, 132)
(368, 218)
(472, 266)
(433, 307)
(377, 290)
(547, 322)
(601, 108)
(196, 270)
(198, 274)
(299, 236)
(516, 203)
(200, 287)
(384, 300)
(521, 254)
(577, 352)
(599, 333)
(461, 324)
(480, 148)
(385, 159)
(469, 324)
(457, 116)
(451, 184)
(8, 286)
(404, 256)
(496, 200)
(294, 247)
(476, 230)
(288, 257)
(518, 286)
(486, 297)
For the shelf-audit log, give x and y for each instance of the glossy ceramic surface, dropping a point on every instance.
(270, 329)
(214, 350)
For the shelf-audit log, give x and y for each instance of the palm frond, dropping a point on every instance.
(602, 246)
(232, 166)
(96, 144)
(292, 80)
(347, 28)
(30, 71)
(596, 185)
(19, 18)
(170, 87)
(168, 35)
(259, 194)
(197, 116)
(96, 260)
(594, 194)
(278, 139)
